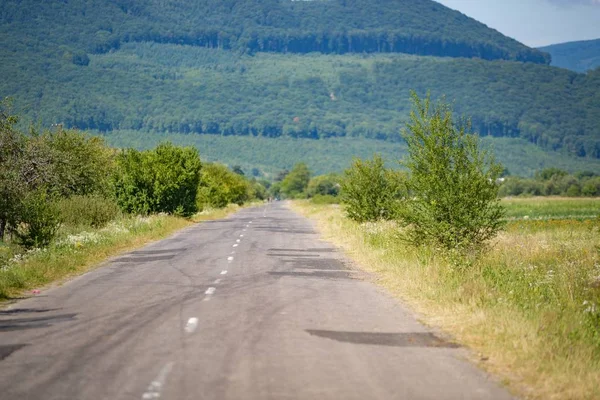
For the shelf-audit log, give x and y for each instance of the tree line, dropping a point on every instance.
(50, 178)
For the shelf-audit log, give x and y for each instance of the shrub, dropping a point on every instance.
(89, 211)
(324, 185)
(454, 196)
(295, 183)
(165, 179)
(220, 186)
(39, 220)
(370, 191)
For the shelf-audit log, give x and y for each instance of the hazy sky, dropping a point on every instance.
(536, 22)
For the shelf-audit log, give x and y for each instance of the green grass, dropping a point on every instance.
(529, 309)
(552, 208)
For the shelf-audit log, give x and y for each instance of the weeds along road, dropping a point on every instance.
(250, 307)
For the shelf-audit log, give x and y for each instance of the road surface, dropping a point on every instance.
(255, 306)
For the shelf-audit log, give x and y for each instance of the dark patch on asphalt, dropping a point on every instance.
(292, 255)
(152, 252)
(145, 259)
(17, 324)
(7, 349)
(289, 231)
(27, 311)
(311, 250)
(407, 339)
(321, 263)
(316, 274)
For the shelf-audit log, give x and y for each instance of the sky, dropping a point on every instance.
(536, 22)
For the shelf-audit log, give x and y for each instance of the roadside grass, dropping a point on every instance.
(551, 207)
(529, 308)
(77, 251)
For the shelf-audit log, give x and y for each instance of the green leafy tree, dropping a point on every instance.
(12, 148)
(324, 185)
(372, 192)
(83, 164)
(295, 183)
(454, 196)
(220, 186)
(165, 179)
(39, 220)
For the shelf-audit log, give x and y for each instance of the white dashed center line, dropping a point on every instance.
(191, 325)
(235, 245)
(153, 391)
(223, 272)
(210, 291)
(241, 235)
(229, 258)
(217, 281)
(238, 240)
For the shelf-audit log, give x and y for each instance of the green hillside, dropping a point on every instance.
(327, 26)
(266, 156)
(162, 87)
(279, 68)
(579, 56)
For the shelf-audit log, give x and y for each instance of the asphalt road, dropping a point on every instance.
(255, 306)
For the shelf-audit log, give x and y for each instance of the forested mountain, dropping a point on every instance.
(327, 26)
(273, 68)
(579, 56)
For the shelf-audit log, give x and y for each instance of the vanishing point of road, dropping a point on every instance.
(254, 306)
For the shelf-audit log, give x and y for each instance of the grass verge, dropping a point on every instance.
(529, 309)
(74, 253)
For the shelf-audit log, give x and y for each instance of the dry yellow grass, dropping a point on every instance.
(520, 307)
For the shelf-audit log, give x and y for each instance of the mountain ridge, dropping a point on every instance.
(579, 56)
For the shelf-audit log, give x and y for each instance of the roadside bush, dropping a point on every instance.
(39, 221)
(88, 211)
(454, 196)
(220, 186)
(324, 185)
(372, 192)
(294, 185)
(165, 179)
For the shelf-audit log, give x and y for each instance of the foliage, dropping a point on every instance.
(83, 164)
(371, 192)
(324, 185)
(165, 179)
(553, 182)
(335, 154)
(42, 165)
(87, 211)
(337, 26)
(38, 220)
(221, 186)
(303, 96)
(454, 196)
(295, 183)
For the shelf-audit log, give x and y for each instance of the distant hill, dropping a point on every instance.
(280, 68)
(327, 26)
(577, 56)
